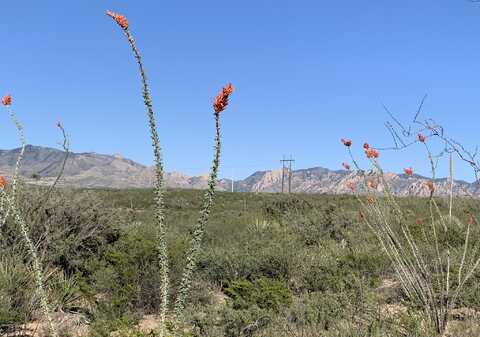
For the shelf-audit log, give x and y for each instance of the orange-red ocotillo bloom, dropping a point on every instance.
(372, 153)
(7, 100)
(346, 166)
(408, 171)
(347, 142)
(119, 19)
(421, 138)
(221, 101)
(3, 182)
(366, 146)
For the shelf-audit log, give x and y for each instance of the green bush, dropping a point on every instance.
(70, 228)
(263, 292)
(127, 274)
(16, 291)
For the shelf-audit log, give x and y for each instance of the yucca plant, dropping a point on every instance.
(219, 105)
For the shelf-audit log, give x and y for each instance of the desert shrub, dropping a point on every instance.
(69, 229)
(328, 221)
(18, 300)
(127, 272)
(244, 322)
(250, 257)
(333, 314)
(16, 294)
(312, 223)
(263, 292)
(337, 269)
(279, 209)
(107, 324)
(321, 310)
(66, 292)
(250, 307)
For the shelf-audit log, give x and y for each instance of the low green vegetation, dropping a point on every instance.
(271, 265)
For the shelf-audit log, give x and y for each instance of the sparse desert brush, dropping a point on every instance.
(432, 259)
(219, 105)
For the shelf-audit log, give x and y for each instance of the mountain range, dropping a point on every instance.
(92, 170)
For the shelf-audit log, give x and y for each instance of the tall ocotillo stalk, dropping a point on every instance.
(159, 172)
(66, 148)
(220, 103)
(7, 102)
(11, 203)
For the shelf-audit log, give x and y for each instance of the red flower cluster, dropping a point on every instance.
(346, 166)
(372, 153)
(7, 100)
(119, 19)
(408, 171)
(347, 142)
(370, 200)
(3, 182)
(421, 138)
(366, 146)
(221, 101)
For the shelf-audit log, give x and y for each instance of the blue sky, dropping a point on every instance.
(307, 73)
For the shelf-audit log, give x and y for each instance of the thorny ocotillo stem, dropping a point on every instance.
(11, 201)
(37, 267)
(16, 171)
(66, 148)
(159, 172)
(220, 103)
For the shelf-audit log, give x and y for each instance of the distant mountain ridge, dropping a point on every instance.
(92, 170)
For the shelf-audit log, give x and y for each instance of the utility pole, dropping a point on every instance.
(290, 175)
(289, 169)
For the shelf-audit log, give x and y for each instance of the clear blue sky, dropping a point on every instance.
(307, 73)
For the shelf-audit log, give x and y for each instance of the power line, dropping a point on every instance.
(289, 171)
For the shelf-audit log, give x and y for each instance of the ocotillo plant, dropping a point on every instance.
(9, 200)
(45, 197)
(424, 266)
(219, 104)
(159, 180)
(7, 102)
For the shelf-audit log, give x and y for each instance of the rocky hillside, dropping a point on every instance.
(41, 165)
(322, 180)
